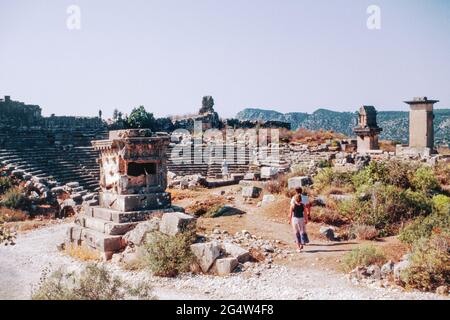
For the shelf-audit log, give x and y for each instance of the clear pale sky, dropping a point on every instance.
(287, 55)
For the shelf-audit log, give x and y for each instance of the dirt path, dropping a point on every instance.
(22, 264)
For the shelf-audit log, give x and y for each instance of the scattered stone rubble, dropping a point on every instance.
(386, 276)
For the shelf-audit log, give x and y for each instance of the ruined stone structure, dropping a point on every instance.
(49, 147)
(367, 130)
(421, 129)
(133, 180)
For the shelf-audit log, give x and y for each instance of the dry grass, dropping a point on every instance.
(206, 206)
(327, 216)
(442, 173)
(82, 253)
(387, 145)
(178, 194)
(277, 210)
(310, 137)
(12, 215)
(364, 232)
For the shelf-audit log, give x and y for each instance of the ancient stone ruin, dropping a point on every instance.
(421, 129)
(54, 148)
(133, 180)
(367, 130)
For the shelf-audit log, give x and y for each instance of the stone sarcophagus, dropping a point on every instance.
(367, 130)
(133, 170)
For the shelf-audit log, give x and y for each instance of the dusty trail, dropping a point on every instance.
(21, 266)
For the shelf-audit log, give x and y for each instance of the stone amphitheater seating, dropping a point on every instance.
(211, 167)
(62, 153)
(77, 164)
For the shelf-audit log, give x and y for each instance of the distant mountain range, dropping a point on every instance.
(395, 124)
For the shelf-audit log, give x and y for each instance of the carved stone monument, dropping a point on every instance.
(421, 129)
(133, 180)
(367, 130)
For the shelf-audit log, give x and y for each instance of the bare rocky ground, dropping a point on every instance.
(21, 266)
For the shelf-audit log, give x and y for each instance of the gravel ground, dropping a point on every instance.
(21, 266)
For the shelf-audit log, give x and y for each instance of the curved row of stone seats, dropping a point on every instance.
(64, 165)
(28, 137)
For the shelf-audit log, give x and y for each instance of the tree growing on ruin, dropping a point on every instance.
(140, 119)
(207, 105)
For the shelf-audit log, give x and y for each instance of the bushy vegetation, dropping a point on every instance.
(424, 180)
(167, 256)
(5, 184)
(364, 255)
(437, 222)
(328, 178)
(93, 283)
(15, 198)
(207, 208)
(429, 264)
(363, 232)
(387, 194)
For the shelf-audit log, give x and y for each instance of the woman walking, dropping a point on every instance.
(298, 217)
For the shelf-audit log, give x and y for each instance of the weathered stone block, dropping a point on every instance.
(236, 251)
(137, 235)
(268, 172)
(225, 266)
(176, 222)
(299, 182)
(206, 254)
(135, 202)
(250, 192)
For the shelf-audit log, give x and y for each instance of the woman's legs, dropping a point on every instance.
(302, 229)
(298, 235)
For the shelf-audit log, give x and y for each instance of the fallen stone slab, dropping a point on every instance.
(138, 234)
(176, 222)
(206, 253)
(236, 251)
(225, 266)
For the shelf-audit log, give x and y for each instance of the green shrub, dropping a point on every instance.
(385, 207)
(429, 264)
(424, 180)
(5, 184)
(14, 198)
(93, 283)
(374, 172)
(424, 226)
(399, 173)
(327, 178)
(363, 255)
(167, 256)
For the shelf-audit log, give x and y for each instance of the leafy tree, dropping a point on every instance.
(141, 119)
(207, 105)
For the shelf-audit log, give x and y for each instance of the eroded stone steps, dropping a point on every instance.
(79, 235)
(104, 226)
